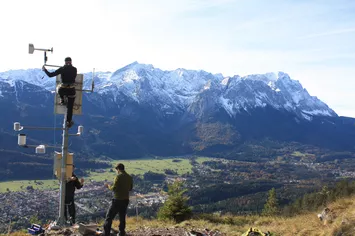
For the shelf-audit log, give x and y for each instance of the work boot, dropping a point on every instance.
(122, 233)
(70, 124)
(68, 222)
(62, 103)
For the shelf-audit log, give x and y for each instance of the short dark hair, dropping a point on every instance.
(67, 59)
(120, 166)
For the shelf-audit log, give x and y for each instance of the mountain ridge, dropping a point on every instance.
(178, 89)
(178, 112)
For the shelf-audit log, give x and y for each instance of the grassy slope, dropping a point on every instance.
(304, 224)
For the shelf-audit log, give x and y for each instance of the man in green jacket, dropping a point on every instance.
(123, 183)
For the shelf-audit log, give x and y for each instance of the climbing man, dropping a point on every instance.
(68, 74)
(70, 187)
(122, 185)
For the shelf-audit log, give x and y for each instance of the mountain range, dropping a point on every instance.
(141, 110)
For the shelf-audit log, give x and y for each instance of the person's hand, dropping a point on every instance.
(81, 181)
(43, 68)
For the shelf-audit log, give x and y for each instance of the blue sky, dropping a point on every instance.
(312, 41)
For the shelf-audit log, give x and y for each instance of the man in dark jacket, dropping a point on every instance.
(68, 74)
(70, 187)
(122, 185)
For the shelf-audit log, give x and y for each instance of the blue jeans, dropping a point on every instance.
(120, 207)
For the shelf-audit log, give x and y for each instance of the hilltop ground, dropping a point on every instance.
(307, 224)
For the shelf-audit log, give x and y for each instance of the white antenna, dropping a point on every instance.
(92, 83)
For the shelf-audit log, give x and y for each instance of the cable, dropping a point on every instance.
(54, 140)
(55, 124)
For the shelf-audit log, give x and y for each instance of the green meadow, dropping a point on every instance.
(23, 184)
(137, 167)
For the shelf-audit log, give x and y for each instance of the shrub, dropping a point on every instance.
(175, 208)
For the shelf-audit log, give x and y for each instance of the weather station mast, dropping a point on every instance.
(63, 160)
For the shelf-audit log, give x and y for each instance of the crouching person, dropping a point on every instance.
(121, 187)
(70, 187)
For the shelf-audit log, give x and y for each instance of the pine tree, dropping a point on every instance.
(34, 219)
(322, 197)
(271, 206)
(175, 208)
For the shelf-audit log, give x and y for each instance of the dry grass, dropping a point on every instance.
(301, 225)
(18, 234)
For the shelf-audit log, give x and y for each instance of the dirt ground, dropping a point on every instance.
(144, 231)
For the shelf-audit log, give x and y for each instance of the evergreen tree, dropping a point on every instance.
(34, 219)
(322, 197)
(316, 200)
(175, 208)
(271, 206)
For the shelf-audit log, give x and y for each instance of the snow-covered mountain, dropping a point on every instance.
(140, 110)
(180, 90)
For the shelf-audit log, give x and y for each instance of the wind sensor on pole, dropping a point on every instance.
(31, 49)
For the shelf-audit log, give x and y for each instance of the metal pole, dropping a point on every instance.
(137, 207)
(39, 49)
(52, 65)
(61, 220)
(42, 128)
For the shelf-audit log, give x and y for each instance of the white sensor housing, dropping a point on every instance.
(41, 149)
(80, 129)
(22, 139)
(17, 126)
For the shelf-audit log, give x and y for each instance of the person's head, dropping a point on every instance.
(67, 61)
(119, 167)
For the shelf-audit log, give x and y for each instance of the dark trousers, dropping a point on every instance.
(120, 207)
(69, 206)
(70, 92)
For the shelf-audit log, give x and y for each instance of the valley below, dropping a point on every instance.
(215, 184)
